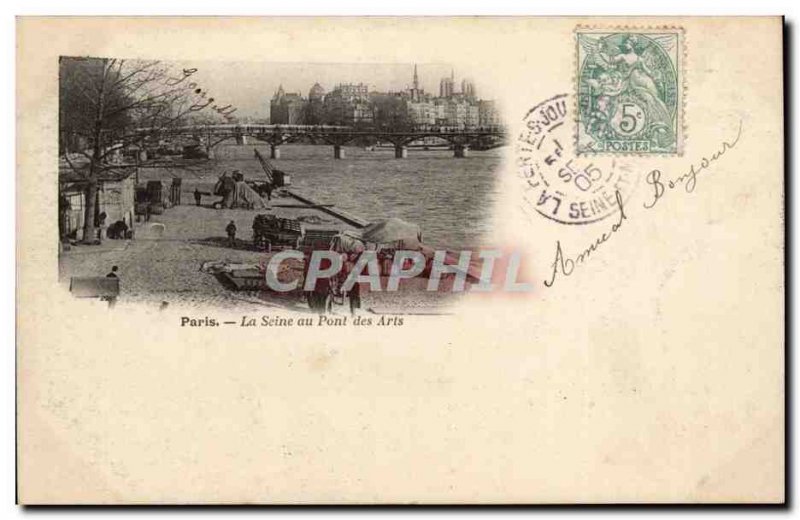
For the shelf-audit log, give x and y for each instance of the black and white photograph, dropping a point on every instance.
(178, 181)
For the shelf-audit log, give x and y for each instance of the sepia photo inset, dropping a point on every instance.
(179, 182)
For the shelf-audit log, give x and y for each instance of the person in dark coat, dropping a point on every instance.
(228, 190)
(231, 231)
(117, 230)
(112, 300)
(225, 187)
(197, 196)
(101, 226)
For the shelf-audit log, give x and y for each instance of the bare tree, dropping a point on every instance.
(107, 104)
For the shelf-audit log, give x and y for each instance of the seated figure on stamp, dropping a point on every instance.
(624, 71)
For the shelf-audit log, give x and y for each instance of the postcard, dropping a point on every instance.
(465, 260)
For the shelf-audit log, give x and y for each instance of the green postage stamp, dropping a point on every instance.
(629, 91)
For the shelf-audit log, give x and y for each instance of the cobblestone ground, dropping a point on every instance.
(162, 264)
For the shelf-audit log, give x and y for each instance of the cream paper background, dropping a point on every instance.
(653, 373)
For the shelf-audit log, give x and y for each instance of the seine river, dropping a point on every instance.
(450, 199)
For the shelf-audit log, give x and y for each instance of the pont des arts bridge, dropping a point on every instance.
(338, 136)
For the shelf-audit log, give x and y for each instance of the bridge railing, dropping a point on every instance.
(255, 129)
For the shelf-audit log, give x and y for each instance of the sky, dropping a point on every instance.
(249, 86)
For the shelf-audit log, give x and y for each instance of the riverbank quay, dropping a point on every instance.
(162, 264)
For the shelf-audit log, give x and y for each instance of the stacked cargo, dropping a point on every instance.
(270, 231)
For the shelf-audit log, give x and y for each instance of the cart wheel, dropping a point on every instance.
(318, 302)
(321, 303)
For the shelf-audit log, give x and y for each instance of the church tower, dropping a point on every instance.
(415, 92)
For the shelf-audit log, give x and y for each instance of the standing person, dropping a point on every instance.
(112, 298)
(231, 230)
(197, 196)
(175, 191)
(101, 227)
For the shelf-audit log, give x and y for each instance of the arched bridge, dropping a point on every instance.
(461, 139)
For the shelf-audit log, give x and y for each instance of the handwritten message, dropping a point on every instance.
(564, 265)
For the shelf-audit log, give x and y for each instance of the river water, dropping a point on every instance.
(450, 199)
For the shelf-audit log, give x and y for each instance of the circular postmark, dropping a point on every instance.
(559, 185)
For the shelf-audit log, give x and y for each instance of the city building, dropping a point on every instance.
(472, 116)
(315, 108)
(467, 88)
(316, 94)
(415, 93)
(447, 86)
(348, 104)
(452, 109)
(286, 109)
(455, 113)
(488, 113)
(423, 112)
(440, 106)
(354, 104)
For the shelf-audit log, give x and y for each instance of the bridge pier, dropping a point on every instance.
(400, 152)
(460, 151)
(274, 152)
(338, 151)
(241, 139)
